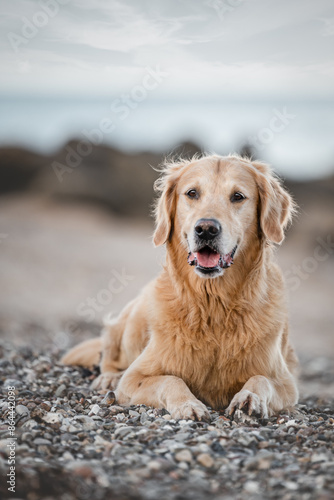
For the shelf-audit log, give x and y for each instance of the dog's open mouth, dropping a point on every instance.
(207, 260)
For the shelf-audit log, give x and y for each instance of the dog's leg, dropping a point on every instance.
(264, 396)
(122, 342)
(161, 391)
(111, 362)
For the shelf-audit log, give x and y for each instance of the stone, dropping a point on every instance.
(61, 391)
(22, 410)
(41, 441)
(86, 422)
(121, 432)
(94, 410)
(261, 461)
(183, 456)
(53, 418)
(144, 418)
(251, 487)
(12, 382)
(205, 460)
(109, 452)
(30, 424)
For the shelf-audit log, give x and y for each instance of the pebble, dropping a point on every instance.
(251, 487)
(87, 446)
(41, 441)
(261, 461)
(61, 391)
(205, 459)
(121, 432)
(94, 410)
(86, 422)
(154, 465)
(12, 382)
(183, 456)
(52, 418)
(30, 424)
(22, 410)
(144, 417)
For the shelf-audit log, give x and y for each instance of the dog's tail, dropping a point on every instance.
(86, 354)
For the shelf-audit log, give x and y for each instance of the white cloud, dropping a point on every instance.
(259, 47)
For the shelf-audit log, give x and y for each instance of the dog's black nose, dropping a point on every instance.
(207, 229)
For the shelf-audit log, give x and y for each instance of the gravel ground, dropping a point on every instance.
(76, 444)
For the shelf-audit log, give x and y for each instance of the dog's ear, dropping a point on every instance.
(164, 215)
(276, 206)
(166, 205)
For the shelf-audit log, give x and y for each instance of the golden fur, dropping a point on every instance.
(189, 341)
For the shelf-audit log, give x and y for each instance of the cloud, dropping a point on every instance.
(259, 46)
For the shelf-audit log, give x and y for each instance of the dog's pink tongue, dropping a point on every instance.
(207, 258)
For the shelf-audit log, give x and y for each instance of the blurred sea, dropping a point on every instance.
(300, 145)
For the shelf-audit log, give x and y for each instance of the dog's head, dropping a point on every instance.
(214, 207)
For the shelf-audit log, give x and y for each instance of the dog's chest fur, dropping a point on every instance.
(215, 358)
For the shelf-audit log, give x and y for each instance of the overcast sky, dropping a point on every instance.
(241, 48)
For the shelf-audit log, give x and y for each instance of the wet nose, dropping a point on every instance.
(207, 229)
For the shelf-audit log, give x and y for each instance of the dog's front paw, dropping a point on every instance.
(191, 410)
(106, 381)
(249, 402)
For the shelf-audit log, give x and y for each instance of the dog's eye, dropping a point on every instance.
(192, 193)
(237, 197)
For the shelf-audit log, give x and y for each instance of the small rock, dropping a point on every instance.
(22, 410)
(61, 391)
(291, 485)
(26, 436)
(46, 405)
(184, 465)
(30, 424)
(41, 442)
(206, 460)
(291, 423)
(154, 465)
(88, 424)
(52, 418)
(222, 422)
(182, 436)
(94, 410)
(144, 418)
(183, 456)
(121, 432)
(12, 382)
(261, 461)
(319, 457)
(68, 456)
(251, 487)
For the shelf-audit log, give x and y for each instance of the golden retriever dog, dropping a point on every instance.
(206, 332)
